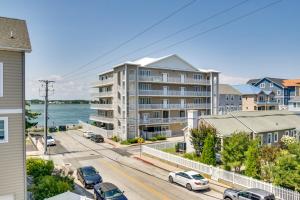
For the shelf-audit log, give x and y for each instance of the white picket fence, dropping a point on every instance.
(217, 173)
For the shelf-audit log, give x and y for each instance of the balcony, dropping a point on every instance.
(102, 94)
(173, 80)
(174, 93)
(268, 103)
(99, 118)
(170, 120)
(101, 83)
(102, 106)
(173, 106)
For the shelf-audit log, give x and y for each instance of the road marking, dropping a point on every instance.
(136, 181)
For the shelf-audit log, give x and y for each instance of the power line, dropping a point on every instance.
(203, 32)
(134, 37)
(170, 35)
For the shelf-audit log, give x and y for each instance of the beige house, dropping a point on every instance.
(151, 96)
(14, 43)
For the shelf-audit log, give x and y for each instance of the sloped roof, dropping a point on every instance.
(291, 82)
(68, 196)
(14, 35)
(278, 81)
(228, 89)
(247, 89)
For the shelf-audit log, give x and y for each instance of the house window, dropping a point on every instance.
(278, 92)
(278, 101)
(1, 79)
(227, 97)
(145, 72)
(276, 137)
(269, 138)
(197, 76)
(271, 85)
(156, 114)
(144, 101)
(3, 129)
(145, 86)
(287, 132)
(262, 85)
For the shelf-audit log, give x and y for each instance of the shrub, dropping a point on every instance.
(115, 138)
(252, 161)
(132, 141)
(192, 156)
(208, 155)
(161, 137)
(49, 186)
(153, 139)
(37, 167)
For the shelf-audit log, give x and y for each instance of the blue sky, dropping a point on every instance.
(67, 34)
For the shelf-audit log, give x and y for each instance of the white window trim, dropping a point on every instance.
(270, 137)
(271, 85)
(262, 85)
(276, 138)
(5, 140)
(1, 80)
(278, 92)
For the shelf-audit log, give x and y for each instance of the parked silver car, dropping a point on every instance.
(248, 194)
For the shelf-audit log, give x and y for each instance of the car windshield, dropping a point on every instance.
(113, 193)
(197, 177)
(49, 137)
(89, 171)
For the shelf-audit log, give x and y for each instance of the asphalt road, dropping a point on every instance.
(140, 181)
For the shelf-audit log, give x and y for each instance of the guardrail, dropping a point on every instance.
(163, 120)
(101, 94)
(217, 173)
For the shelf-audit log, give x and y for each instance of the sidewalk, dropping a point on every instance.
(214, 185)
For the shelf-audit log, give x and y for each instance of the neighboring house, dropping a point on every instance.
(151, 96)
(282, 93)
(294, 102)
(14, 43)
(270, 126)
(254, 98)
(230, 99)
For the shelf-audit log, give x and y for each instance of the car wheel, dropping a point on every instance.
(189, 187)
(84, 185)
(171, 179)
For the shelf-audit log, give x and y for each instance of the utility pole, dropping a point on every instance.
(45, 84)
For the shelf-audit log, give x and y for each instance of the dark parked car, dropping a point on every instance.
(97, 138)
(88, 176)
(248, 194)
(108, 191)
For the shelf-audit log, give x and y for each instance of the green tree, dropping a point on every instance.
(37, 167)
(30, 117)
(234, 148)
(252, 161)
(268, 155)
(208, 155)
(286, 171)
(198, 136)
(49, 186)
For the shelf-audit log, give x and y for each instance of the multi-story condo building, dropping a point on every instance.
(254, 98)
(14, 43)
(151, 96)
(230, 99)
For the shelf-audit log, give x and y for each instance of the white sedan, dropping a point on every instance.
(87, 134)
(189, 179)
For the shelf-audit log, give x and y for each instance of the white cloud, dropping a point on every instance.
(79, 89)
(233, 79)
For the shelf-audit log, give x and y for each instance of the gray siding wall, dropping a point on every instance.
(12, 153)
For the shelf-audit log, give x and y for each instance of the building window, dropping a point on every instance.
(262, 85)
(119, 109)
(145, 86)
(3, 129)
(232, 97)
(123, 85)
(287, 132)
(156, 114)
(1, 80)
(119, 123)
(144, 101)
(278, 92)
(276, 137)
(278, 101)
(119, 78)
(269, 138)
(227, 97)
(119, 95)
(145, 72)
(197, 76)
(271, 85)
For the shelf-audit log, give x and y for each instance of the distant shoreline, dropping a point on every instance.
(57, 102)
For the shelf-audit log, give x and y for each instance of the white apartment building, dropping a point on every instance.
(151, 96)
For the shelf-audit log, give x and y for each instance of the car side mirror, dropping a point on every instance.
(123, 192)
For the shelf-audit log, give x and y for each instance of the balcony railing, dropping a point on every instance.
(100, 83)
(174, 106)
(267, 103)
(102, 94)
(101, 106)
(173, 93)
(169, 120)
(178, 80)
(99, 118)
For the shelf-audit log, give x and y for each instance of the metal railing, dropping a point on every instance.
(169, 120)
(101, 106)
(174, 93)
(101, 118)
(217, 173)
(159, 79)
(102, 94)
(174, 106)
(102, 82)
(267, 102)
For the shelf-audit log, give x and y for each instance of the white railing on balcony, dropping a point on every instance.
(174, 106)
(267, 102)
(174, 80)
(102, 94)
(169, 120)
(173, 93)
(147, 135)
(101, 106)
(99, 118)
(99, 83)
